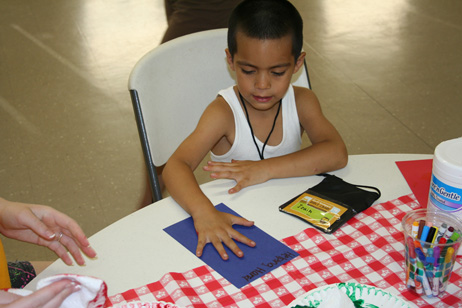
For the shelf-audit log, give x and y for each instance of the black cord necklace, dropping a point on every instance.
(251, 129)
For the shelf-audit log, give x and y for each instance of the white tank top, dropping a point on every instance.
(244, 148)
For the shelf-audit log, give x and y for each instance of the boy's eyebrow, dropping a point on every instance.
(254, 66)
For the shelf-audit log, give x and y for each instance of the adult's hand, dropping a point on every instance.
(51, 296)
(45, 226)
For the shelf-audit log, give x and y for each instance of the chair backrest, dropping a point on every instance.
(172, 85)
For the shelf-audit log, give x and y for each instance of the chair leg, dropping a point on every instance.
(155, 184)
(147, 197)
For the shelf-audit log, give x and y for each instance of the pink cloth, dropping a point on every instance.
(368, 249)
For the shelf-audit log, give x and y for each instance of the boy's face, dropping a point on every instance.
(264, 69)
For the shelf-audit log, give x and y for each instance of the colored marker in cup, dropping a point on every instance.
(454, 236)
(415, 229)
(421, 225)
(438, 274)
(448, 233)
(441, 231)
(412, 265)
(421, 272)
(431, 236)
(425, 231)
(447, 268)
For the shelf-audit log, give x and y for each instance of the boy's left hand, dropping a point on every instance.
(244, 172)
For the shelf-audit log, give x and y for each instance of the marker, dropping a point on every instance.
(412, 267)
(418, 284)
(421, 225)
(415, 229)
(436, 283)
(425, 231)
(428, 265)
(436, 255)
(447, 268)
(411, 247)
(445, 250)
(441, 231)
(449, 241)
(421, 257)
(411, 280)
(421, 273)
(448, 233)
(431, 235)
(430, 259)
(417, 244)
(438, 273)
(454, 236)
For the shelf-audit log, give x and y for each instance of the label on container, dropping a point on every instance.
(445, 197)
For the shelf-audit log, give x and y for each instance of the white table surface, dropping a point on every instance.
(135, 250)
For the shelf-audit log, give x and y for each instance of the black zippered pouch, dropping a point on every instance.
(331, 203)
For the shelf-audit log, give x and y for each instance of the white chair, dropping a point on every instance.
(171, 86)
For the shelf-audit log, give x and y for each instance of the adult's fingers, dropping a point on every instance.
(51, 296)
(65, 242)
(57, 300)
(59, 249)
(8, 297)
(29, 219)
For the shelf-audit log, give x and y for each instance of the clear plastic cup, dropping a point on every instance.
(430, 259)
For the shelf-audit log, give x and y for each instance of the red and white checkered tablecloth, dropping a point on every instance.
(368, 249)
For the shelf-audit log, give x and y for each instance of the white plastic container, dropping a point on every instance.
(446, 185)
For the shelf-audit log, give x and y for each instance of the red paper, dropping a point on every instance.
(418, 174)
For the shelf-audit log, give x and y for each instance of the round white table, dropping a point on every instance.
(135, 250)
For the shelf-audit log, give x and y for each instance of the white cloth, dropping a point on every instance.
(244, 148)
(93, 292)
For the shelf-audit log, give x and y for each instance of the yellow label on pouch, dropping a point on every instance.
(316, 210)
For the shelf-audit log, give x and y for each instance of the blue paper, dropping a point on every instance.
(257, 261)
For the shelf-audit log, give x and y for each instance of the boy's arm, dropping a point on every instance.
(211, 225)
(327, 152)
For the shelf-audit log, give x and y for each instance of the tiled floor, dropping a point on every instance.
(388, 75)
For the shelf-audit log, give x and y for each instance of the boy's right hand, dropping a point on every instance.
(216, 227)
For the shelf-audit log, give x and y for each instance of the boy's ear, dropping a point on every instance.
(300, 61)
(229, 59)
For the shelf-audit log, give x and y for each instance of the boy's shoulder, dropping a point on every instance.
(219, 110)
(307, 103)
(220, 105)
(301, 89)
(217, 120)
(304, 95)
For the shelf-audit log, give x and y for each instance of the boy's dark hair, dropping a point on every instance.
(266, 19)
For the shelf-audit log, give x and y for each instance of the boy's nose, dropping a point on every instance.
(262, 81)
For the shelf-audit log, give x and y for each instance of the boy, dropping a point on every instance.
(264, 49)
